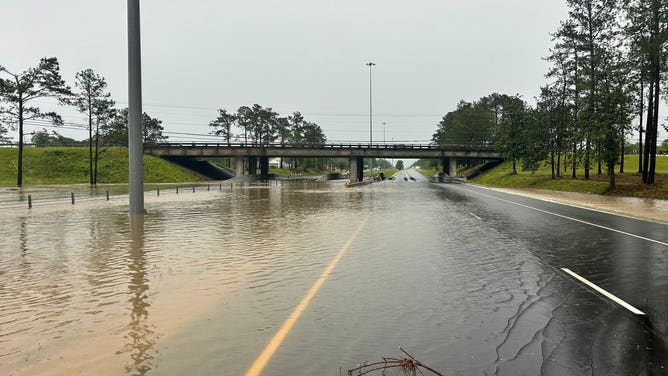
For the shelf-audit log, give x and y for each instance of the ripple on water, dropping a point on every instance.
(212, 275)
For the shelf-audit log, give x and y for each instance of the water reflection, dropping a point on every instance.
(201, 284)
(141, 334)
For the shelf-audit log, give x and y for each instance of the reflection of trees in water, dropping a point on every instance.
(23, 244)
(141, 335)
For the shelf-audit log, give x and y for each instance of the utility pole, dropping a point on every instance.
(135, 134)
(370, 64)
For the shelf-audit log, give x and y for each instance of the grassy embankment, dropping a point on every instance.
(388, 173)
(285, 172)
(70, 166)
(628, 183)
(432, 172)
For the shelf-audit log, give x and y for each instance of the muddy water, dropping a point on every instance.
(85, 291)
(203, 282)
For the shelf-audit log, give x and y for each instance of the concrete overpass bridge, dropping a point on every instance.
(254, 153)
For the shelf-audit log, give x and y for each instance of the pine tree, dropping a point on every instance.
(19, 89)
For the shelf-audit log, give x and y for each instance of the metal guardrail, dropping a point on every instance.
(322, 146)
(356, 145)
(37, 199)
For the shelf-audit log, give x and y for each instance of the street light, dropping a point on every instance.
(383, 132)
(370, 64)
(135, 138)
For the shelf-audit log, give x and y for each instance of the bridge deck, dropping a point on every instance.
(417, 151)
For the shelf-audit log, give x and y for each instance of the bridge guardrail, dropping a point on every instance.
(323, 146)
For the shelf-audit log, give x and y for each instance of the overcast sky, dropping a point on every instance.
(305, 56)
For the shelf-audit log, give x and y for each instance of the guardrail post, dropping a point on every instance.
(29, 202)
(177, 189)
(107, 195)
(72, 194)
(158, 190)
(208, 187)
(193, 189)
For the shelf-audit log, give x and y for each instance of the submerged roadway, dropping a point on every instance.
(305, 278)
(512, 286)
(607, 295)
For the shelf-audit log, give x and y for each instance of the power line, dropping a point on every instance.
(323, 113)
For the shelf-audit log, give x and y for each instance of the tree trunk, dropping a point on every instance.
(559, 163)
(19, 174)
(640, 129)
(655, 126)
(611, 176)
(552, 163)
(586, 158)
(90, 141)
(648, 130)
(622, 145)
(599, 172)
(97, 152)
(575, 160)
(514, 167)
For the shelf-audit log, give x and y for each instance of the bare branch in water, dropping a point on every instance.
(408, 365)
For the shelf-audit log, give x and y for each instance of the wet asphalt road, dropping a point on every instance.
(588, 332)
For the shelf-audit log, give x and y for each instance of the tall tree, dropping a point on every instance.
(94, 102)
(509, 121)
(115, 131)
(595, 27)
(283, 132)
(244, 121)
(223, 125)
(615, 116)
(470, 124)
(566, 71)
(19, 89)
(313, 134)
(647, 28)
(296, 121)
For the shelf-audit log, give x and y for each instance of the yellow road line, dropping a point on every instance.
(277, 340)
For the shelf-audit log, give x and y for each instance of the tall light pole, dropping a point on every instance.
(370, 64)
(383, 132)
(135, 134)
(384, 143)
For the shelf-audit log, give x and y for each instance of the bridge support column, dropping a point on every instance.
(252, 166)
(452, 167)
(445, 163)
(356, 169)
(239, 166)
(264, 168)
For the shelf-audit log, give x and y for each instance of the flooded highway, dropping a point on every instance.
(302, 278)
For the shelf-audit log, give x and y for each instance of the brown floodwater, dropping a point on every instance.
(84, 290)
(202, 283)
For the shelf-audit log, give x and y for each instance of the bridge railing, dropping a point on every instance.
(383, 146)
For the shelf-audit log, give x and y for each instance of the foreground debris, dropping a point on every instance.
(408, 365)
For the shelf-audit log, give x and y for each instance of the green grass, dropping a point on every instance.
(388, 173)
(70, 166)
(429, 172)
(286, 172)
(628, 183)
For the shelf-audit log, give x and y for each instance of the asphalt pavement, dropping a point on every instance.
(610, 301)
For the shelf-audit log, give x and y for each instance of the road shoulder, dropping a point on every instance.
(642, 208)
